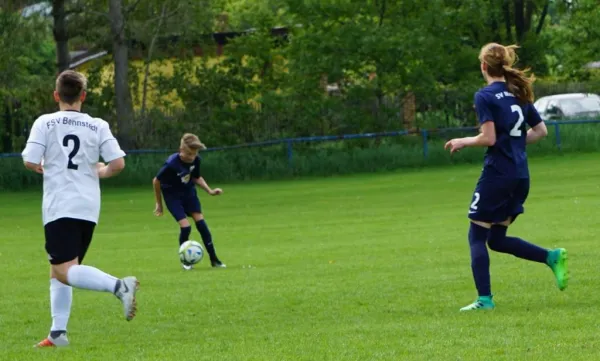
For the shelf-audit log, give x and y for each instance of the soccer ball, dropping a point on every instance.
(190, 252)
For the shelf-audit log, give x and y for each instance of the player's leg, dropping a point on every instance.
(91, 278)
(480, 266)
(481, 212)
(68, 239)
(498, 240)
(61, 294)
(126, 287)
(175, 207)
(193, 207)
(207, 239)
(185, 229)
(61, 297)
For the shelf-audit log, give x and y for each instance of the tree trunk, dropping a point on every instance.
(149, 59)
(507, 22)
(61, 37)
(519, 19)
(540, 24)
(120, 58)
(529, 10)
(382, 9)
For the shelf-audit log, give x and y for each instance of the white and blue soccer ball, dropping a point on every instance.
(190, 252)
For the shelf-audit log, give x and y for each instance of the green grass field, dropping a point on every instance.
(370, 267)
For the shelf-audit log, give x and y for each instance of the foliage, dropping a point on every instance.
(575, 42)
(302, 68)
(319, 159)
(26, 63)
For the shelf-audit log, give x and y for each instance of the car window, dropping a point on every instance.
(540, 105)
(590, 104)
(581, 105)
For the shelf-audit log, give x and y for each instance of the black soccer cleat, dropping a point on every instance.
(217, 264)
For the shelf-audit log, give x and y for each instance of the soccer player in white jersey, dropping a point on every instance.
(70, 143)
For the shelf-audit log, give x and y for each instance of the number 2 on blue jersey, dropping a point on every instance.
(516, 130)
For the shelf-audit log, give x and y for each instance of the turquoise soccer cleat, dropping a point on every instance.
(557, 260)
(482, 303)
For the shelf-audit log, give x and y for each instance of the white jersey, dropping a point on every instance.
(70, 144)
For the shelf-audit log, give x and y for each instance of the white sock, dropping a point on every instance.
(91, 278)
(61, 297)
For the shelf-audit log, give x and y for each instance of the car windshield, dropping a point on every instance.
(581, 105)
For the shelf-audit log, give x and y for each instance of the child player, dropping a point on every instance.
(504, 108)
(177, 181)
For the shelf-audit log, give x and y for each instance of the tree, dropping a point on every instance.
(117, 14)
(61, 35)
(26, 59)
(155, 22)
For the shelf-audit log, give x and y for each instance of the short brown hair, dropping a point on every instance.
(500, 60)
(192, 142)
(70, 85)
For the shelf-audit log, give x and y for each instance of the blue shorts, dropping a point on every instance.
(497, 198)
(182, 206)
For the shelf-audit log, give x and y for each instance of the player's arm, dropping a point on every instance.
(156, 181)
(157, 193)
(487, 130)
(34, 167)
(158, 210)
(485, 138)
(536, 133)
(156, 187)
(111, 152)
(35, 148)
(200, 182)
(538, 128)
(111, 169)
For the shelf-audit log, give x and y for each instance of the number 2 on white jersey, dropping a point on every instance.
(76, 144)
(516, 130)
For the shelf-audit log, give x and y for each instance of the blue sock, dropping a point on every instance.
(206, 239)
(184, 234)
(480, 259)
(499, 242)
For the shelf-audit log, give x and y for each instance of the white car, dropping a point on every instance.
(565, 106)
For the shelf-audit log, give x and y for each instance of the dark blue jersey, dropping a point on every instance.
(176, 176)
(506, 158)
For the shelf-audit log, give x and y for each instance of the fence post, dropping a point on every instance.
(290, 152)
(557, 133)
(425, 144)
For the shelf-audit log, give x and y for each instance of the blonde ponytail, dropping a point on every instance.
(500, 60)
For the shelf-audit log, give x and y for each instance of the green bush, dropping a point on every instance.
(319, 158)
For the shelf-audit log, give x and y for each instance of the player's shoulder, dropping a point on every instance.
(63, 116)
(528, 108)
(88, 118)
(47, 117)
(173, 158)
(99, 122)
(527, 105)
(485, 93)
